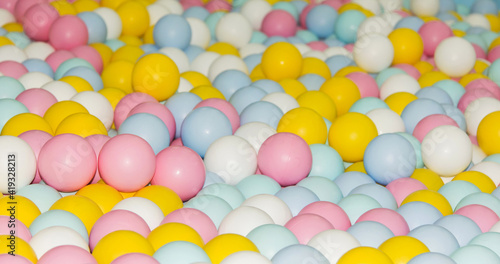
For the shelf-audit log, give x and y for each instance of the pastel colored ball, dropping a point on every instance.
(65, 253)
(279, 23)
(68, 32)
(16, 151)
(119, 243)
(373, 52)
(38, 29)
(166, 34)
(408, 46)
(455, 57)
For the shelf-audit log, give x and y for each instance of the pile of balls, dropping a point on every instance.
(250, 131)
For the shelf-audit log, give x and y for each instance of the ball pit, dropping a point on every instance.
(249, 131)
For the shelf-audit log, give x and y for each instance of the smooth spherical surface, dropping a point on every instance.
(68, 32)
(455, 56)
(16, 151)
(281, 61)
(157, 75)
(373, 52)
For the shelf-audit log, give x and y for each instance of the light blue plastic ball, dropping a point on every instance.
(490, 240)
(274, 39)
(481, 198)
(349, 180)
(70, 64)
(192, 51)
(261, 111)
(436, 238)
(212, 178)
(149, 48)
(229, 81)
(475, 254)
(212, 21)
(337, 62)
(418, 110)
(321, 20)
(306, 36)
(252, 61)
(370, 233)
(149, 127)
(299, 254)
(436, 94)
(488, 37)
(446, 5)
(411, 22)
(431, 258)
(10, 88)
(355, 205)
(328, 125)
(38, 65)
(19, 39)
(10, 108)
(172, 31)
(386, 73)
(246, 96)
(484, 7)
(43, 196)
(258, 184)
(326, 162)
(346, 27)
(417, 147)
(312, 81)
(288, 7)
(59, 218)
(297, 197)
(379, 193)
(299, 4)
(269, 86)
(455, 191)
(454, 113)
(196, 12)
(180, 105)
(366, 104)
(325, 189)
(228, 193)
(493, 157)
(214, 207)
(258, 37)
(419, 213)
(181, 252)
(462, 227)
(272, 238)
(90, 75)
(96, 27)
(114, 44)
(478, 40)
(202, 127)
(332, 42)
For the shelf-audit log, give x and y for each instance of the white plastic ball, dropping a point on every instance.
(235, 29)
(386, 121)
(490, 168)
(495, 227)
(34, 80)
(203, 62)
(112, 20)
(372, 5)
(424, 7)
(145, 208)
(97, 105)
(244, 219)
(38, 50)
(255, 133)
(333, 51)
(391, 5)
(18, 164)
(283, 101)
(478, 20)
(224, 63)
(272, 205)
(173, 6)
(232, 158)
(446, 150)
(399, 83)
(374, 25)
(55, 236)
(12, 53)
(315, 54)
(333, 243)
(184, 86)
(156, 11)
(6, 17)
(373, 52)
(200, 33)
(303, 48)
(246, 257)
(392, 18)
(251, 49)
(255, 11)
(455, 56)
(478, 154)
(61, 90)
(178, 56)
(477, 110)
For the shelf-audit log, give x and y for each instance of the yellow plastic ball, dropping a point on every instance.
(481, 65)
(84, 208)
(131, 40)
(60, 110)
(364, 255)
(319, 102)
(170, 232)
(281, 60)
(164, 197)
(157, 75)
(488, 133)
(224, 245)
(293, 87)
(349, 6)
(118, 74)
(423, 66)
(207, 91)
(119, 243)
(134, 17)
(432, 77)
(113, 4)
(305, 123)
(348, 69)
(104, 50)
(315, 66)
(429, 178)
(81, 124)
(128, 52)
(78, 83)
(431, 197)
(398, 101)
(224, 48)
(64, 8)
(350, 135)
(402, 249)
(466, 79)
(22, 248)
(494, 43)
(148, 37)
(459, 33)
(5, 41)
(114, 95)
(408, 46)
(85, 5)
(343, 92)
(481, 180)
(494, 22)
(105, 196)
(25, 122)
(195, 78)
(26, 210)
(257, 73)
(357, 166)
(13, 27)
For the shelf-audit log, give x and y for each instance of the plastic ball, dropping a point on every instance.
(55, 236)
(321, 20)
(398, 83)
(402, 249)
(127, 103)
(281, 61)
(417, 110)
(16, 151)
(23, 122)
(23, 250)
(370, 233)
(296, 254)
(181, 252)
(68, 32)
(97, 105)
(258, 184)
(134, 17)
(38, 29)
(386, 121)
(226, 244)
(436, 238)
(130, 242)
(64, 253)
(305, 123)
(157, 134)
(166, 35)
(408, 46)
(364, 254)
(373, 52)
(235, 29)
(279, 23)
(95, 25)
(170, 232)
(475, 253)
(447, 60)
(347, 25)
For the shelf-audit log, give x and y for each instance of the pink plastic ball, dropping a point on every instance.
(349, 47)
(128, 102)
(225, 107)
(67, 254)
(331, 212)
(217, 5)
(117, 220)
(366, 84)
(473, 140)
(402, 13)
(480, 54)
(305, 226)
(432, 33)
(67, 162)
(37, 28)
(402, 187)
(279, 23)
(186, 4)
(21, 230)
(177, 142)
(134, 258)
(390, 218)
(194, 218)
(57, 57)
(17, 259)
(483, 216)
(37, 100)
(471, 95)
(493, 54)
(485, 84)
(333, 3)
(22, 6)
(409, 69)
(68, 32)
(127, 162)
(303, 14)
(8, 5)
(317, 45)
(430, 122)
(36, 139)
(285, 157)
(180, 169)
(12, 69)
(97, 141)
(89, 54)
(159, 110)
